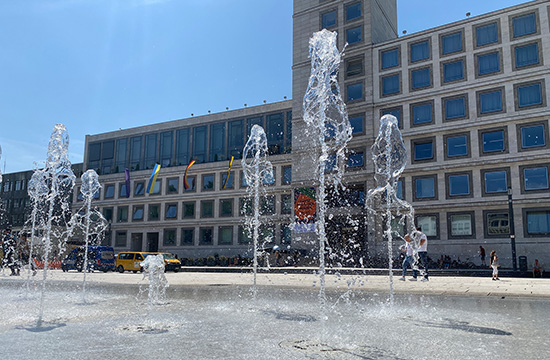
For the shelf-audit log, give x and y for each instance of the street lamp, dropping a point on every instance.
(512, 228)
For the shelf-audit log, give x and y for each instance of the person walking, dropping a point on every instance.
(494, 264)
(422, 254)
(482, 255)
(408, 249)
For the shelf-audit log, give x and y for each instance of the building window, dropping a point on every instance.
(451, 43)
(453, 71)
(235, 138)
(419, 51)
(287, 175)
(524, 25)
(244, 235)
(395, 112)
(191, 182)
(226, 207)
(457, 146)
(188, 237)
(171, 212)
(354, 67)
(275, 132)
(493, 141)
(225, 236)
(534, 178)
(267, 205)
(495, 181)
(389, 58)
(329, 19)
(207, 208)
(286, 235)
(122, 214)
(421, 78)
(537, 222)
(425, 187)
(459, 185)
(245, 206)
(139, 188)
(486, 34)
(422, 113)
(154, 212)
(490, 101)
(135, 153)
(217, 142)
(206, 236)
(353, 11)
(488, 63)
(391, 85)
(354, 92)
(109, 191)
(137, 213)
(108, 214)
(526, 55)
(423, 149)
(182, 147)
(199, 143)
(208, 182)
(120, 239)
(461, 225)
(228, 182)
(286, 204)
(400, 189)
(189, 210)
(169, 237)
(429, 223)
(532, 136)
(354, 35)
(529, 95)
(172, 186)
(356, 123)
(497, 223)
(150, 150)
(166, 146)
(455, 108)
(355, 160)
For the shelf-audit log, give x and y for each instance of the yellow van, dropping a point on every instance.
(170, 262)
(130, 261)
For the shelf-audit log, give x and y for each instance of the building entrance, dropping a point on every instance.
(153, 242)
(137, 242)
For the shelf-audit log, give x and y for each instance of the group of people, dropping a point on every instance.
(14, 253)
(409, 249)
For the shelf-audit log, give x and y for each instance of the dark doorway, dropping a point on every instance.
(153, 242)
(137, 242)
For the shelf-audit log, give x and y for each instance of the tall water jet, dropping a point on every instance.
(60, 180)
(390, 158)
(257, 170)
(153, 269)
(325, 113)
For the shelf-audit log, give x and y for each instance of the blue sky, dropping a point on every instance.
(102, 65)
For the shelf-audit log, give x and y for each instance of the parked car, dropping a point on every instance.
(170, 262)
(100, 258)
(130, 261)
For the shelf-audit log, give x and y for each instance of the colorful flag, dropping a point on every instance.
(153, 178)
(185, 183)
(127, 176)
(228, 172)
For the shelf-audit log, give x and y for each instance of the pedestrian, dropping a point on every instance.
(10, 252)
(537, 269)
(422, 253)
(482, 255)
(494, 264)
(408, 249)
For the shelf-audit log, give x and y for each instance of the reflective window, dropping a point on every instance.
(495, 182)
(457, 146)
(275, 133)
(422, 113)
(399, 190)
(353, 11)
(207, 208)
(227, 183)
(235, 138)
(171, 211)
(354, 92)
(286, 204)
(107, 157)
(244, 235)
(189, 210)
(328, 19)
(182, 147)
(455, 108)
(225, 236)
(423, 150)
(390, 58)
(453, 71)
(166, 145)
(451, 43)
(461, 225)
(538, 222)
(172, 185)
(420, 51)
(488, 63)
(493, 141)
(108, 213)
(199, 144)
(187, 237)
(169, 237)
(139, 188)
(355, 160)
(356, 123)
(191, 182)
(206, 236)
(207, 182)
(121, 156)
(354, 35)
(490, 101)
(154, 212)
(428, 223)
(425, 187)
(529, 95)
(533, 136)
(226, 207)
(135, 153)
(420, 78)
(497, 224)
(524, 25)
(123, 191)
(122, 214)
(527, 55)
(459, 185)
(150, 150)
(536, 178)
(267, 205)
(287, 175)
(390, 85)
(109, 191)
(94, 155)
(156, 187)
(217, 142)
(354, 67)
(487, 34)
(137, 213)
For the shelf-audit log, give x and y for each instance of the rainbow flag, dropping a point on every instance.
(185, 183)
(153, 178)
(228, 172)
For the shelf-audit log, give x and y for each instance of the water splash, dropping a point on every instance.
(257, 171)
(325, 114)
(390, 158)
(153, 269)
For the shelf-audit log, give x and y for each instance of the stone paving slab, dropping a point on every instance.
(438, 285)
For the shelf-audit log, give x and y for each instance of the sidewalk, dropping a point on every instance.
(438, 285)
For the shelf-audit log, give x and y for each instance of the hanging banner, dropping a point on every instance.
(127, 179)
(153, 179)
(305, 208)
(228, 172)
(185, 183)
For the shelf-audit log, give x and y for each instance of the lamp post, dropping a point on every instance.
(512, 228)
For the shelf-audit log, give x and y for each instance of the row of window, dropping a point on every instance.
(527, 95)
(494, 182)
(451, 43)
(208, 236)
(352, 13)
(494, 141)
(17, 185)
(496, 224)
(205, 143)
(188, 209)
(178, 185)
